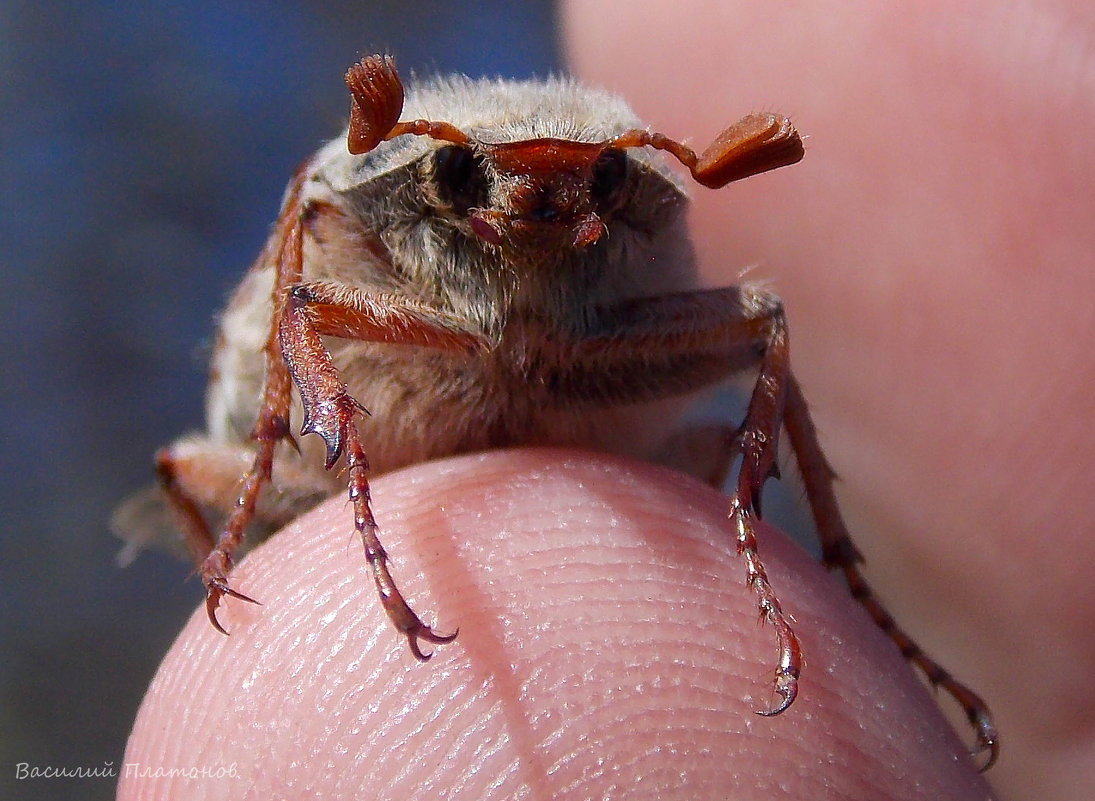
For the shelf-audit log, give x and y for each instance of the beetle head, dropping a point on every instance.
(537, 191)
(546, 191)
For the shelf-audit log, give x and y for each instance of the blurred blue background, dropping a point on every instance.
(144, 151)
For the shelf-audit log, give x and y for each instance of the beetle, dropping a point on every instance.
(492, 264)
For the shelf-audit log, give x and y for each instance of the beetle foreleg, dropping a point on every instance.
(329, 409)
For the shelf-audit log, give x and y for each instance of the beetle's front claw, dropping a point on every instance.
(331, 420)
(424, 632)
(215, 589)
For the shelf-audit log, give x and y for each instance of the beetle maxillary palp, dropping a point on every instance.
(485, 225)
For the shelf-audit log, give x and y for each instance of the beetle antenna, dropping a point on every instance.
(376, 101)
(755, 144)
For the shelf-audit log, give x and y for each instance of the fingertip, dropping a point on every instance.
(606, 640)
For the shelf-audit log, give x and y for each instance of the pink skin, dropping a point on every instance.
(608, 646)
(935, 254)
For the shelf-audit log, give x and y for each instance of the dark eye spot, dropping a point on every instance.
(609, 177)
(458, 176)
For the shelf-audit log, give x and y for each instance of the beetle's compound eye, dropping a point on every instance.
(458, 176)
(609, 177)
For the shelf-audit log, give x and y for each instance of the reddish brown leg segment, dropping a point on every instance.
(704, 336)
(741, 328)
(838, 552)
(757, 441)
(199, 540)
(399, 612)
(329, 410)
(272, 424)
(294, 352)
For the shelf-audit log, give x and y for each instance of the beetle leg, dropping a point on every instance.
(701, 338)
(329, 410)
(184, 509)
(839, 553)
(757, 441)
(301, 312)
(272, 423)
(687, 341)
(709, 452)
